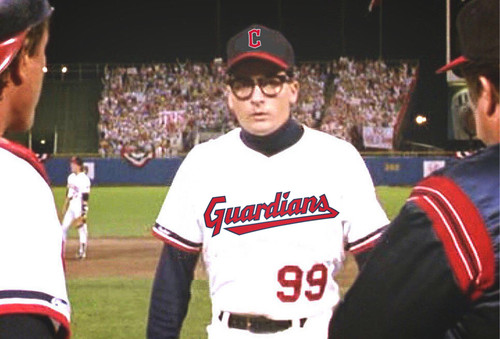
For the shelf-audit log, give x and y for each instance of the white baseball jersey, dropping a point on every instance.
(78, 184)
(272, 230)
(32, 274)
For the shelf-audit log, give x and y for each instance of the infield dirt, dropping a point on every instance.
(112, 257)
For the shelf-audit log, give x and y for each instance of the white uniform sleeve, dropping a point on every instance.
(177, 222)
(69, 186)
(31, 264)
(86, 186)
(363, 216)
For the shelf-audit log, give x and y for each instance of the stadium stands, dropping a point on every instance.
(165, 109)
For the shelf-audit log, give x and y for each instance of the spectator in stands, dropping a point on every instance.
(366, 93)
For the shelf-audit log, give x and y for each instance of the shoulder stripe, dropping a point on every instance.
(450, 214)
(366, 242)
(433, 210)
(175, 240)
(460, 227)
(31, 302)
(6, 294)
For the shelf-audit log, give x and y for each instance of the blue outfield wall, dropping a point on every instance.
(117, 171)
(398, 170)
(385, 170)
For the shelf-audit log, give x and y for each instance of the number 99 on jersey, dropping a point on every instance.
(297, 283)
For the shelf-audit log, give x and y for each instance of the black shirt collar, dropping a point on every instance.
(269, 145)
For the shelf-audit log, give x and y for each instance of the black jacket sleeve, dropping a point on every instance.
(26, 326)
(362, 248)
(171, 293)
(362, 257)
(406, 289)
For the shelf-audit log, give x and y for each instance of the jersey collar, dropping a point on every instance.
(269, 145)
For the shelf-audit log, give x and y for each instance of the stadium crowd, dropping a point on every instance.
(165, 109)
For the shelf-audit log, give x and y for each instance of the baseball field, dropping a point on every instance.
(109, 290)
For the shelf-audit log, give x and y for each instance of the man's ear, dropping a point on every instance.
(294, 91)
(17, 68)
(488, 95)
(229, 98)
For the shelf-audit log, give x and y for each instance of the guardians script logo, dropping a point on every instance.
(262, 216)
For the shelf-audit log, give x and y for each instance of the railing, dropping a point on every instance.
(81, 71)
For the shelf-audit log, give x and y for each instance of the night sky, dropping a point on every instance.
(143, 31)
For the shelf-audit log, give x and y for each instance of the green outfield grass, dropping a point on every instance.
(117, 307)
(120, 211)
(392, 198)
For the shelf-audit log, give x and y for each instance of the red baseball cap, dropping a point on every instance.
(16, 18)
(9, 49)
(260, 42)
(477, 27)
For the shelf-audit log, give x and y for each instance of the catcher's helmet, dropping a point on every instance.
(16, 17)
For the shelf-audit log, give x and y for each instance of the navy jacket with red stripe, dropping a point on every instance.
(434, 273)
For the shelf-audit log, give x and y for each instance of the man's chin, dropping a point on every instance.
(20, 127)
(260, 129)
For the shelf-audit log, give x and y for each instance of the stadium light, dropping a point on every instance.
(421, 119)
(42, 141)
(64, 69)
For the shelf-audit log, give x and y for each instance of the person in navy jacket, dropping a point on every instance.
(434, 272)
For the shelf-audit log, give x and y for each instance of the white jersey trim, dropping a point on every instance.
(175, 240)
(17, 301)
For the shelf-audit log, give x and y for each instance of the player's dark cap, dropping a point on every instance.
(16, 17)
(477, 27)
(260, 42)
(77, 160)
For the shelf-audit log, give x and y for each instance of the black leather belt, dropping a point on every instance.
(259, 324)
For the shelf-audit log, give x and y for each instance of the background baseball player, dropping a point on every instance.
(271, 205)
(435, 272)
(76, 204)
(33, 297)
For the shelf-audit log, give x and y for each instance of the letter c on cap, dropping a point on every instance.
(252, 42)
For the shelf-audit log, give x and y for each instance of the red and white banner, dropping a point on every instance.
(136, 157)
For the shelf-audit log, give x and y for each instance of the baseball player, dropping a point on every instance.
(76, 204)
(435, 272)
(272, 206)
(33, 296)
